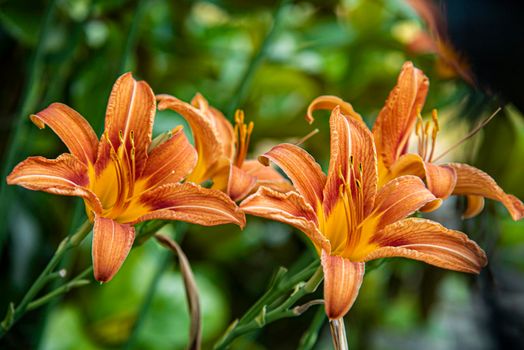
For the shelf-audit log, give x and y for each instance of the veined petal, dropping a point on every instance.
(66, 176)
(472, 181)
(129, 118)
(290, 208)
(339, 163)
(396, 120)
(329, 102)
(111, 245)
(342, 281)
(301, 168)
(171, 161)
(74, 131)
(441, 180)
(365, 156)
(191, 203)
(240, 183)
(428, 241)
(205, 134)
(266, 176)
(224, 129)
(400, 198)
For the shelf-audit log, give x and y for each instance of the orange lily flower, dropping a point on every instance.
(392, 129)
(350, 220)
(222, 149)
(121, 180)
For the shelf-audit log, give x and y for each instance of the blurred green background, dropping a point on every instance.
(271, 59)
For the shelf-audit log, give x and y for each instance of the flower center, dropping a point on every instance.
(242, 137)
(425, 132)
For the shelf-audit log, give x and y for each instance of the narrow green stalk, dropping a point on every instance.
(132, 36)
(163, 263)
(66, 244)
(245, 82)
(310, 337)
(76, 282)
(19, 125)
(261, 313)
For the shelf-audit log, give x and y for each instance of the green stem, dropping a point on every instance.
(259, 315)
(310, 337)
(19, 125)
(163, 262)
(76, 282)
(132, 36)
(66, 244)
(257, 60)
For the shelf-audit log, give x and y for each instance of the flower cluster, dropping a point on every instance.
(356, 212)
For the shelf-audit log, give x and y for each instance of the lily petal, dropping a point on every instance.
(396, 120)
(224, 129)
(428, 241)
(472, 181)
(266, 176)
(74, 131)
(240, 183)
(441, 180)
(205, 134)
(475, 204)
(111, 245)
(191, 203)
(339, 163)
(66, 176)
(171, 161)
(365, 155)
(290, 208)
(400, 198)
(329, 102)
(301, 168)
(342, 281)
(129, 118)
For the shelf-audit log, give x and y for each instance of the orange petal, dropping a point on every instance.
(240, 183)
(290, 208)
(171, 161)
(472, 181)
(301, 168)
(428, 241)
(365, 154)
(129, 117)
(475, 204)
(66, 176)
(266, 176)
(350, 139)
(223, 127)
(111, 244)
(342, 281)
(205, 133)
(396, 120)
(328, 102)
(400, 198)
(339, 163)
(191, 203)
(72, 128)
(440, 179)
(407, 164)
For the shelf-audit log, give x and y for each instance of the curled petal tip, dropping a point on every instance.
(263, 160)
